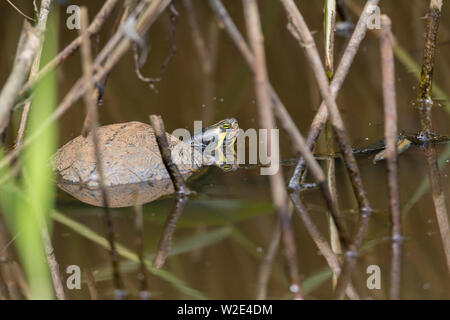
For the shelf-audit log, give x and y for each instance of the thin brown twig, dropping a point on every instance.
(163, 248)
(144, 294)
(52, 263)
(351, 256)
(89, 117)
(18, 76)
(338, 79)
(35, 8)
(199, 42)
(425, 104)
(301, 31)
(163, 145)
(425, 89)
(19, 11)
(439, 201)
(181, 191)
(210, 82)
(26, 29)
(41, 30)
(139, 61)
(93, 29)
(266, 265)
(330, 257)
(267, 121)
(207, 56)
(390, 133)
(100, 85)
(91, 108)
(92, 286)
(336, 245)
(329, 31)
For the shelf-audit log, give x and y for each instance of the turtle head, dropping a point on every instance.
(228, 130)
(219, 135)
(219, 139)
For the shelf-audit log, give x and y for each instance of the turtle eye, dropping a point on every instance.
(227, 167)
(226, 126)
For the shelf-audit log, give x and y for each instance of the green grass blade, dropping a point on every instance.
(37, 176)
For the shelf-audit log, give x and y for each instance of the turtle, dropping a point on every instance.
(133, 169)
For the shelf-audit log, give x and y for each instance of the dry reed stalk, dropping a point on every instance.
(439, 201)
(300, 30)
(338, 79)
(92, 286)
(165, 241)
(166, 154)
(266, 265)
(52, 263)
(390, 133)
(40, 29)
(144, 293)
(199, 41)
(207, 53)
(267, 121)
(329, 30)
(181, 191)
(335, 243)
(330, 257)
(27, 50)
(91, 110)
(93, 29)
(425, 104)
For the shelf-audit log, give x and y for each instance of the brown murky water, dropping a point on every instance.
(224, 231)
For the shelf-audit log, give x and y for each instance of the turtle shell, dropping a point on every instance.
(133, 170)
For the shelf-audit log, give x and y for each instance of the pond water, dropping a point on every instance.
(225, 229)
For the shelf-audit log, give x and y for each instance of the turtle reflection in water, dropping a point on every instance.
(134, 172)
